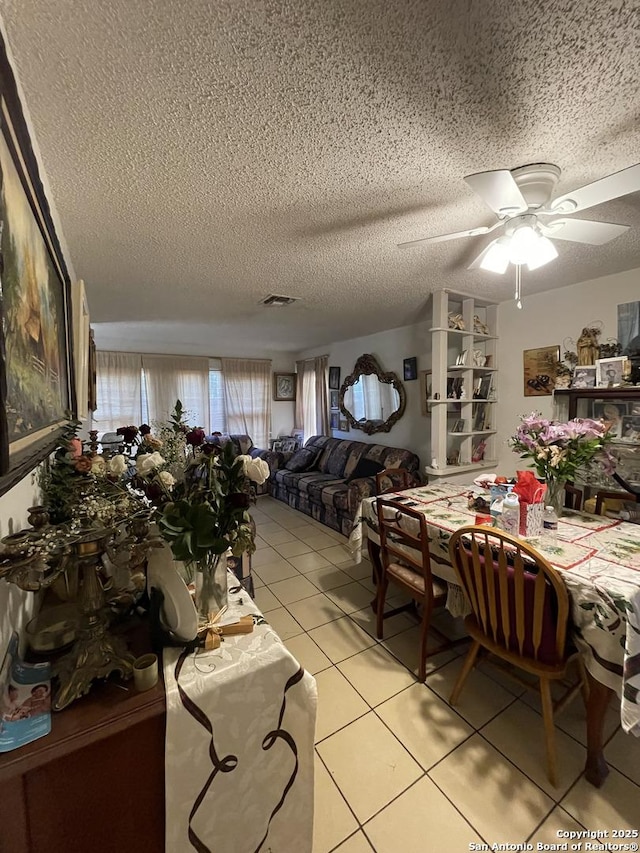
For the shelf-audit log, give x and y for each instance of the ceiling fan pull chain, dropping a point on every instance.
(519, 286)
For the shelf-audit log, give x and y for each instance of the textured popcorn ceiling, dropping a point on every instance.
(205, 154)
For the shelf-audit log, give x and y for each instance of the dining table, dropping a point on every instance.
(598, 558)
(239, 752)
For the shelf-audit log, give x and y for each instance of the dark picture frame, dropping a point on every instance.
(334, 400)
(410, 368)
(37, 380)
(334, 378)
(334, 420)
(284, 387)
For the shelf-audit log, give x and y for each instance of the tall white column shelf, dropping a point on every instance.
(460, 390)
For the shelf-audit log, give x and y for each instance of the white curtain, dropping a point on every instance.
(247, 393)
(171, 378)
(312, 411)
(118, 390)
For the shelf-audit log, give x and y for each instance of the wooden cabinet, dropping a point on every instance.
(620, 407)
(459, 391)
(96, 782)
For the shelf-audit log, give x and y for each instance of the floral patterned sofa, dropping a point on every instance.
(327, 489)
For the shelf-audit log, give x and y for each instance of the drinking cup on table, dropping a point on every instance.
(145, 672)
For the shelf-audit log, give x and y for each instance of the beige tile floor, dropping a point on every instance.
(398, 769)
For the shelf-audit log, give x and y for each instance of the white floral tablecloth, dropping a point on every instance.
(239, 744)
(600, 562)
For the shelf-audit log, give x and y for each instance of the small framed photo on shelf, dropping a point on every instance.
(480, 417)
(461, 360)
(334, 378)
(410, 368)
(333, 399)
(610, 371)
(584, 377)
(344, 425)
(477, 454)
(334, 420)
(612, 414)
(284, 386)
(631, 428)
(458, 426)
(483, 388)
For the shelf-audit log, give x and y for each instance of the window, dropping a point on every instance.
(217, 413)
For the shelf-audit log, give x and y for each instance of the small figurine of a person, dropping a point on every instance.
(587, 345)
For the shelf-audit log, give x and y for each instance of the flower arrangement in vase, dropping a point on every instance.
(558, 450)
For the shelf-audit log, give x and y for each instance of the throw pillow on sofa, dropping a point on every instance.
(303, 459)
(365, 468)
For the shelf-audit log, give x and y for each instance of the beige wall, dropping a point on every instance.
(546, 319)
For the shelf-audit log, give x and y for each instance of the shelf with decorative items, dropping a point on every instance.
(619, 408)
(460, 388)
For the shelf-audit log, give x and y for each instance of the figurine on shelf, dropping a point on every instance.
(479, 327)
(587, 344)
(456, 322)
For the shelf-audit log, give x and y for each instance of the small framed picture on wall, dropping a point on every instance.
(284, 386)
(334, 420)
(410, 368)
(334, 378)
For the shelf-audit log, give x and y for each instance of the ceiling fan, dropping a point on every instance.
(531, 220)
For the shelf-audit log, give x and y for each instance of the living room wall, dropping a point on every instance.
(546, 319)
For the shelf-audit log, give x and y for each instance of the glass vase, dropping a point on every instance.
(554, 495)
(211, 586)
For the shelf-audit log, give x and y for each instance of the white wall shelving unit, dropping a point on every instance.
(460, 398)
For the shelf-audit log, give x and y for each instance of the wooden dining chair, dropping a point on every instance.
(619, 497)
(572, 497)
(404, 556)
(393, 480)
(520, 614)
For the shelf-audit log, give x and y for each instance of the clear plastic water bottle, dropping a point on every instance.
(549, 526)
(510, 518)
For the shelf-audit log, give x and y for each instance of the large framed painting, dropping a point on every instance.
(540, 370)
(37, 395)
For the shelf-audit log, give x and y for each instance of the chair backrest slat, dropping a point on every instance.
(404, 539)
(519, 600)
(518, 583)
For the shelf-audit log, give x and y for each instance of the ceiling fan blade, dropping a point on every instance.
(471, 232)
(613, 186)
(499, 191)
(477, 262)
(582, 231)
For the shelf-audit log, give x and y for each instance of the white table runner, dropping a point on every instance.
(239, 744)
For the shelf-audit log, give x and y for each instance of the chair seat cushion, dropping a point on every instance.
(415, 580)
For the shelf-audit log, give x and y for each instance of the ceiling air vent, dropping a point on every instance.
(279, 301)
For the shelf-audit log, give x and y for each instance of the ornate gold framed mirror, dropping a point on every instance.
(370, 399)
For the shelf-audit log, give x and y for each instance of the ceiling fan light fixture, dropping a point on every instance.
(496, 258)
(545, 251)
(523, 244)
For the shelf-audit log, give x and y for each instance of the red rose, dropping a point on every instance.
(196, 437)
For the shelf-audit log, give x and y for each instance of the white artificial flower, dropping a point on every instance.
(256, 470)
(167, 479)
(146, 462)
(98, 465)
(117, 464)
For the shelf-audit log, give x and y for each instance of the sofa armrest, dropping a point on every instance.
(359, 489)
(275, 459)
